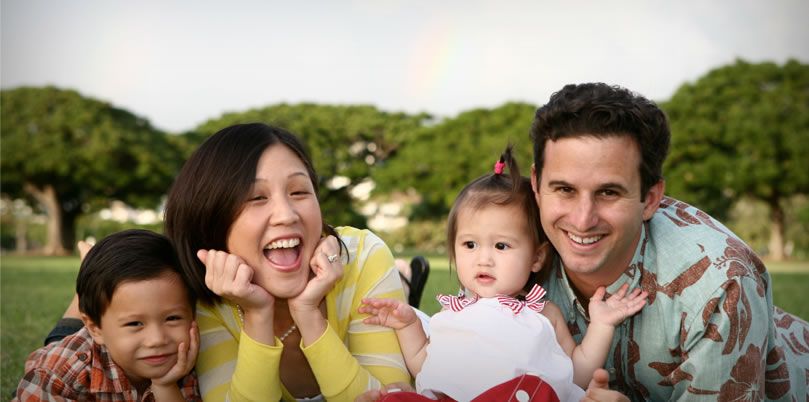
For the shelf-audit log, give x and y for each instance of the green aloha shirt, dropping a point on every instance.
(710, 330)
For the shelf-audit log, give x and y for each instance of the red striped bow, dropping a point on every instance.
(533, 300)
(456, 303)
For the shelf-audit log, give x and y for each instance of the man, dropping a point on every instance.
(710, 331)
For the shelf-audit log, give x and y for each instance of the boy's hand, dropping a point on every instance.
(228, 276)
(617, 307)
(327, 266)
(390, 313)
(186, 358)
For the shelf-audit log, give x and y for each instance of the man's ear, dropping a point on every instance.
(93, 328)
(541, 255)
(653, 198)
(535, 183)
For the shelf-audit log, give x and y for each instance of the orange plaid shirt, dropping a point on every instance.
(76, 368)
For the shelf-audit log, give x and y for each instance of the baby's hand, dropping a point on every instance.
(617, 307)
(186, 358)
(390, 313)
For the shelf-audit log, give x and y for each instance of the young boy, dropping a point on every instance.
(140, 340)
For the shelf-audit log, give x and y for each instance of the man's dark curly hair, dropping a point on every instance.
(599, 110)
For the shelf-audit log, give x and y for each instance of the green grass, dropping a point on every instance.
(34, 292)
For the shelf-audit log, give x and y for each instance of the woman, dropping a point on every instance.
(279, 288)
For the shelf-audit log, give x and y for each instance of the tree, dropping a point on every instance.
(72, 154)
(345, 142)
(441, 159)
(742, 130)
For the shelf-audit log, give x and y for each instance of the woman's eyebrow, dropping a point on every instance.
(291, 175)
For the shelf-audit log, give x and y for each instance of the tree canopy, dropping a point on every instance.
(441, 159)
(741, 130)
(72, 154)
(346, 141)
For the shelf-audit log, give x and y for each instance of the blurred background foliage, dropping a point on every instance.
(741, 133)
(740, 136)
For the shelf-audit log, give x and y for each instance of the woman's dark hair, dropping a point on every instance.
(502, 189)
(126, 256)
(599, 110)
(212, 187)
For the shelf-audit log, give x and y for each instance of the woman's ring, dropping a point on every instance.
(332, 258)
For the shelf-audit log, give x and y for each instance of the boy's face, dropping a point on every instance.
(144, 324)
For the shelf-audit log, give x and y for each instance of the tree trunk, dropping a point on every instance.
(56, 241)
(776, 246)
(21, 234)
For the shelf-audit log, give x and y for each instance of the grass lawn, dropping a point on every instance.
(34, 292)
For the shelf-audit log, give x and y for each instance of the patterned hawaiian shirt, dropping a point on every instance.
(76, 368)
(710, 331)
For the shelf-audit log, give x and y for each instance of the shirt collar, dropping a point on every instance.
(105, 375)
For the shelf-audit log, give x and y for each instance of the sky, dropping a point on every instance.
(180, 63)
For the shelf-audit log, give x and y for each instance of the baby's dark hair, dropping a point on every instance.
(501, 188)
(126, 256)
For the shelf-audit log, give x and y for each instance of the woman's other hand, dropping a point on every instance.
(229, 277)
(327, 268)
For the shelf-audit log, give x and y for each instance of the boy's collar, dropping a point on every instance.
(106, 376)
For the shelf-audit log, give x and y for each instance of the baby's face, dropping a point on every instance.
(494, 250)
(144, 324)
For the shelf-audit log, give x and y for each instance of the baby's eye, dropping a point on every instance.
(174, 318)
(470, 245)
(501, 246)
(133, 324)
(257, 198)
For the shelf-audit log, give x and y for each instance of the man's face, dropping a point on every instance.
(589, 199)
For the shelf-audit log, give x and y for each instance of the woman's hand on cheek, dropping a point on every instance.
(327, 266)
(229, 277)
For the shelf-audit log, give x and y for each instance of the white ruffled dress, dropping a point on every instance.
(486, 344)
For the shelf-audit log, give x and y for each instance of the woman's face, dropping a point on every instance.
(279, 225)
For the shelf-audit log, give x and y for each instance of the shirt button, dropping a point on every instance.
(83, 357)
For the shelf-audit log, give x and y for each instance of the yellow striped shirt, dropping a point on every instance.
(349, 359)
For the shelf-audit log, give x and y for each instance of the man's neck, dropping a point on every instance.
(584, 286)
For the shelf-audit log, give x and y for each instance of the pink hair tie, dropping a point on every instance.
(498, 167)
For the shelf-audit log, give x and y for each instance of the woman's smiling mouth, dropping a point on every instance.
(284, 253)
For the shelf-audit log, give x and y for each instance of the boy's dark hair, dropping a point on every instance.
(126, 256)
(211, 189)
(599, 110)
(502, 189)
